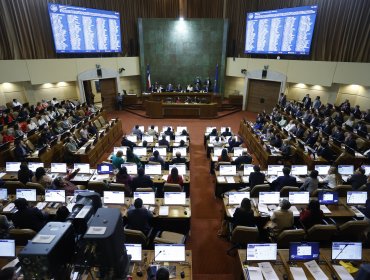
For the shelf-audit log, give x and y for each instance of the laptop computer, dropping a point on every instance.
(238, 151)
(356, 197)
(299, 197)
(181, 168)
(135, 251)
(345, 169)
(182, 150)
(28, 194)
(328, 197)
(261, 252)
(34, 165)
(367, 169)
(217, 151)
(104, 168)
(55, 196)
(269, 197)
(304, 251)
(122, 148)
(148, 198)
(174, 198)
(169, 252)
(248, 168)
(7, 248)
(131, 168)
(299, 170)
(235, 198)
(161, 150)
(348, 251)
(12, 166)
(140, 151)
(84, 168)
(322, 169)
(228, 170)
(114, 197)
(153, 169)
(274, 169)
(58, 167)
(3, 194)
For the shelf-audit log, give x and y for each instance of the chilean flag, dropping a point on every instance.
(148, 82)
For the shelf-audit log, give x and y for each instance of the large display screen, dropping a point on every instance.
(82, 30)
(284, 31)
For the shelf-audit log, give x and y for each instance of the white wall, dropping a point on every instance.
(131, 84)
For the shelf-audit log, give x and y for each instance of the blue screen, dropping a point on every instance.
(284, 31)
(328, 197)
(304, 251)
(105, 168)
(82, 30)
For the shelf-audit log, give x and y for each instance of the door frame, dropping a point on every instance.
(272, 76)
(93, 75)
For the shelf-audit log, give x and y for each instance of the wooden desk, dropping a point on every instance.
(156, 109)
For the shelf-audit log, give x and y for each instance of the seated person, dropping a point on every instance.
(286, 149)
(174, 177)
(276, 141)
(127, 143)
(5, 225)
(84, 133)
(312, 139)
(178, 159)
(65, 124)
(291, 126)
(56, 129)
(224, 157)
(226, 132)
(282, 218)
(243, 215)
(312, 215)
(338, 134)
(91, 128)
(131, 157)
(183, 144)
(162, 274)
(256, 177)
(123, 178)
(358, 179)
(21, 151)
(8, 136)
(311, 183)
(233, 143)
(117, 159)
(213, 133)
(28, 217)
(71, 147)
(184, 133)
(361, 126)
(31, 125)
(163, 141)
(285, 180)
(18, 132)
(64, 183)
(24, 174)
(245, 158)
(169, 132)
(333, 178)
(136, 131)
(283, 122)
(16, 103)
(325, 151)
(152, 132)
(42, 178)
(350, 142)
(157, 158)
(138, 218)
(219, 142)
(142, 181)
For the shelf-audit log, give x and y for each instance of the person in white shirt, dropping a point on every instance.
(84, 133)
(46, 117)
(219, 142)
(283, 122)
(31, 125)
(333, 178)
(291, 126)
(16, 103)
(40, 121)
(189, 88)
(54, 101)
(350, 122)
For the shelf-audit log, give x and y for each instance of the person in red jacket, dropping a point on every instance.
(8, 136)
(312, 215)
(175, 178)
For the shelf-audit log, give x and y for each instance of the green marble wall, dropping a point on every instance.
(179, 51)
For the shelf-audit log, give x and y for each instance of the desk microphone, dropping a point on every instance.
(160, 252)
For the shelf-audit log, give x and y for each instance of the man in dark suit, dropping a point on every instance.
(28, 217)
(315, 121)
(338, 134)
(282, 100)
(324, 151)
(306, 101)
(226, 132)
(300, 131)
(233, 143)
(245, 158)
(357, 112)
(163, 141)
(358, 179)
(256, 177)
(286, 149)
(178, 159)
(276, 141)
(350, 142)
(326, 128)
(141, 181)
(127, 143)
(285, 180)
(138, 218)
(169, 132)
(21, 151)
(361, 127)
(311, 140)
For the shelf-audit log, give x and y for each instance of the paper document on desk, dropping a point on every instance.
(221, 179)
(357, 212)
(342, 272)
(262, 208)
(294, 210)
(163, 210)
(245, 179)
(164, 177)
(268, 271)
(9, 207)
(102, 177)
(231, 211)
(2, 174)
(315, 270)
(325, 209)
(214, 158)
(298, 273)
(253, 273)
(41, 205)
(230, 179)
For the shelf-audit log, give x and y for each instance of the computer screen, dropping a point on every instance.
(58, 167)
(367, 169)
(140, 151)
(238, 151)
(182, 150)
(142, 128)
(131, 168)
(299, 170)
(304, 251)
(299, 197)
(223, 128)
(345, 169)
(147, 197)
(77, 192)
(55, 196)
(217, 151)
(132, 137)
(134, 250)
(228, 170)
(210, 128)
(180, 167)
(262, 252)
(84, 168)
(174, 198)
(169, 252)
(322, 169)
(114, 197)
(104, 168)
(7, 248)
(269, 197)
(248, 168)
(328, 197)
(161, 150)
(148, 138)
(356, 198)
(346, 251)
(235, 198)
(28, 194)
(34, 165)
(12, 166)
(178, 138)
(181, 128)
(122, 148)
(274, 169)
(153, 169)
(3, 194)
(165, 127)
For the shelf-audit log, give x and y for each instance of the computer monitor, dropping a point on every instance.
(248, 168)
(165, 127)
(131, 168)
(104, 168)
(169, 252)
(299, 170)
(345, 169)
(299, 197)
(161, 150)
(3, 194)
(58, 167)
(304, 251)
(261, 252)
(210, 128)
(84, 168)
(182, 150)
(28, 194)
(235, 198)
(322, 169)
(140, 151)
(217, 151)
(12, 166)
(114, 197)
(227, 170)
(181, 168)
(179, 129)
(7, 248)
(135, 251)
(174, 198)
(238, 151)
(148, 138)
(147, 197)
(328, 197)
(153, 169)
(367, 169)
(223, 128)
(269, 197)
(274, 169)
(34, 165)
(356, 197)
(122, 148)
(132, 137)
(178, 138)
(349, 251)
(55, 196)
